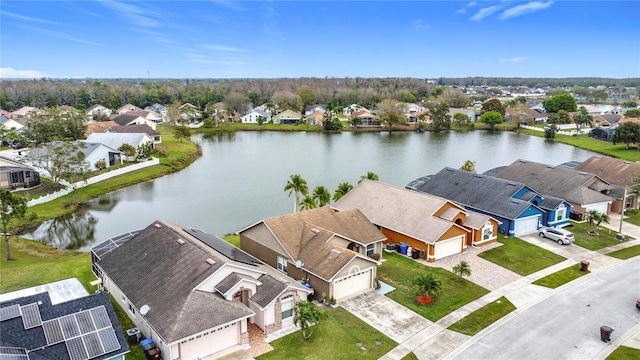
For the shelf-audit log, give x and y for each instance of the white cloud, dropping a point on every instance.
(134, 15)
(223, 48)
(464, 9)
(523, 9)
(29, 18)
(11, 73)
(484, 12)
(420, 24)
(513, 60)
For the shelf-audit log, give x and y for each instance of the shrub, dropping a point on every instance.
(161, 150)
(100, 164)
(375, 256)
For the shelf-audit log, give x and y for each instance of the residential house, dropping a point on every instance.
(351, 109)
(592, 110)
(12, 123)
(100, 127)
(193, 293)
(514, 205)
(136, 129)
(158, 108)
(423, 116)
(315, 118)
(149, 115)
(584, 191)
(127, 108)
(116, 140)
(431, 225)
(252, 117)
(366, 118)
(621, 174)
(125, 119)
(5, 113)
(61, 321)
(412, 111)
(25, 112)
(471, 114)
(538, 116)
(327, 249)
(190, 113)
(603, 133)
(97, 112)
(605, 120)
(95, 152)
(287, 117)
(310, 109)
(16, 175)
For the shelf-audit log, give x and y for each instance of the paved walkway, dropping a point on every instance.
(428, 340)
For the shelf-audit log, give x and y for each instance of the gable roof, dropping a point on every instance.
(558, 181)
(125, 119)
(485, 193)
(615, 171)
(93, 321)
(306, 236)
(153, 268)
(404, 211)
(287, 114)
(9, 164)
(115, 140)
(88, 147)
(128, 107)
(100, 126)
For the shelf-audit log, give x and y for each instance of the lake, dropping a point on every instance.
(239, 179)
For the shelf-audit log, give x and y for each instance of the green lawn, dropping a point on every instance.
(483, 317)
(585, 142)
(624, 353)
(336, 338)
(410, 356)
(606, 238)
(626, 253)
(633, 219)
(399, 272)
(520, 256)
(561, 277)
(36, 264)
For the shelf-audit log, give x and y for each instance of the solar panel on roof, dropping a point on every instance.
(69, 326)
(76, 349)
(9, 312)
(85, 322)
(52, 332)
(93, 345)
(109, 340)
(31, 315)
(224, 248)
(100, 317)
(13, 353)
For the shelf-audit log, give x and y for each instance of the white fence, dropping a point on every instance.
(535, 128)
(93, 180)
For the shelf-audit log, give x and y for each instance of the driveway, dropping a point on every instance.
(385, 315)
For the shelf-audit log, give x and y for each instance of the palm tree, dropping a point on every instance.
(370, 175)
(342, 190)
(603, 218)
(462, 269)
(307, 316)
(427, 284)
(582, 118)
(296, 185)
(309, 202)
(322, 195)
(591, 216)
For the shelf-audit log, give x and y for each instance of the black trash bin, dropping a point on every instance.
(605, 333)
(584, 265)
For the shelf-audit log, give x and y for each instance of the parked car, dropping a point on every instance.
(638, 304)
(561, 236)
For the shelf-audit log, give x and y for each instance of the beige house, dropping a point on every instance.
(192, 292)
(332, 251)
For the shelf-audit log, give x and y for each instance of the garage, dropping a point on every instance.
(526, 225)
(449, 247)
(352, 284)
(217, 340)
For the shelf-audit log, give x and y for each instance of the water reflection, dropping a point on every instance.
(73, 231)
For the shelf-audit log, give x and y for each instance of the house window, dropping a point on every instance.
(282, 264)
(132, 310)
(560, 214)
(371, 248)
(487, 231)
(287, 307)
(629, 202)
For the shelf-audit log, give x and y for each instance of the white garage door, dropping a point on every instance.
(449, 247)
(526, 225)
(352, 284)
(599, 207)
(211, 343)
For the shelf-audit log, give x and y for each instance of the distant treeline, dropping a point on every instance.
(239, 93)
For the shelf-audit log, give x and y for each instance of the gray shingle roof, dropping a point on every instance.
(268, 291)
(132, 129)
(557, 181)
(485, 193)
(615, 171)
(124, 119)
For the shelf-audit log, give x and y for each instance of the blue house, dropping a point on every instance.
(520, 209)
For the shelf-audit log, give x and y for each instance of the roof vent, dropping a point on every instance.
(583, 173)
(335, 252)
(210, 261)
(550, 166)
(315, 231)
(180, 241)
(158, 226)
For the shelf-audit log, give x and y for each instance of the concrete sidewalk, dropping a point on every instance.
(434, 341)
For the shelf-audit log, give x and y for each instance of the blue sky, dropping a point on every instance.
(269, 39)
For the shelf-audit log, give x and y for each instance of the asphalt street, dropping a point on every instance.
(567, 324)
